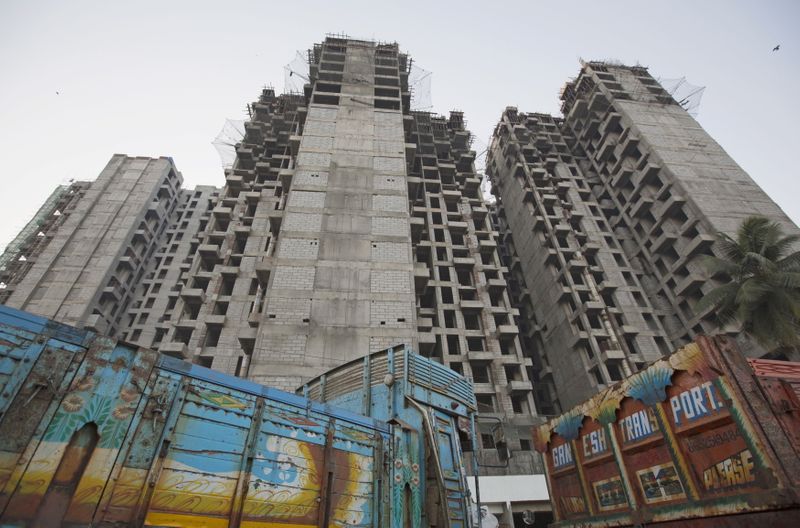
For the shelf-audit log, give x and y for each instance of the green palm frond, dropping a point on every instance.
(756, 262)
(790, 262)
(768, 238)
(716, 266)
(752, 291)
(721, 296)
(775, 325)
(729, 248)
(763, 290)
(787, 302)
(784, 245)
(787, 279)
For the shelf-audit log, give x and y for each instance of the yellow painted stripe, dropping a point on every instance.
(260, 524)
(177, 520)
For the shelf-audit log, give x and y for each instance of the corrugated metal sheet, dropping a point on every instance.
(441, 379)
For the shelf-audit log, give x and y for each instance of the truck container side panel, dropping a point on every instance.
(428, 400)
(436, 384)
(289, 470)
(595, 454)
(450, 462)
(564, 479)
(783, 398)
(762, 420)
(36, 324)
(780, 383)
(122, 377)
(571, 501)
(654, 476)
(125, 491)
(352, 489)
(198, 479)
(405, 485)
(22, 338)
(33, 403)
(145, 385)
(18, 351)
(687, 441)
(718, 450)
(311, 425)
(103, 434)
(285, 481)
(354, 439)
(111, 397)
(354, 454)
(104, 394)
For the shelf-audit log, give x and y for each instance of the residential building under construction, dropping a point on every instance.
(348, 222)
(603, 214)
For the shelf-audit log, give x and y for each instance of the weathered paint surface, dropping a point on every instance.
(686, 439)
(429, 399)
(95, 433)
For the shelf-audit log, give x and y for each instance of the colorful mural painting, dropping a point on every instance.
(104, 434)
(676, 442)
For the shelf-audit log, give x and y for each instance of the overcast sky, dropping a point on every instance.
(81, 80)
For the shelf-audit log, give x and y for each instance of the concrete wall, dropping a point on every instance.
(80, 277)
(669, 187)
(604, 216)
(587, 320)
(340, 282)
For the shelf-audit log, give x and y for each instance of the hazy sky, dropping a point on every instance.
(159, 78)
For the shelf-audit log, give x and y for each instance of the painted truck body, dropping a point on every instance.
(430, 406)
(99, 433)
(703, 437)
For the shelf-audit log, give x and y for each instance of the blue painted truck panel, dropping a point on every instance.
(99, 433)
(432, 404)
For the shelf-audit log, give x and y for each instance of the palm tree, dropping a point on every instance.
(762, 292)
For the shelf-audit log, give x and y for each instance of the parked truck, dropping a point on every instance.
(703, 437)
(95, 432)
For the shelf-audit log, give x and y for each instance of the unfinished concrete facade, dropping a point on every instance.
(84, 263)
(465, 316)
(604, 213)
(306, 260)
(147, 319)
(348, 223)
(21, 253)
(584, 315)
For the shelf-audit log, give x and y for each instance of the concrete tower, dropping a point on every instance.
(82, 262)
(604, 213)
(349, 223)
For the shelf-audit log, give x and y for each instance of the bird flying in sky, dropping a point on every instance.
(776, 48)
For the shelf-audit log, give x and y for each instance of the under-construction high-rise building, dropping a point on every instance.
(348, 223)
(603, 214)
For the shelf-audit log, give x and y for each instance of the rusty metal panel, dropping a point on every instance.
(780, 382)
(31, 393)
(685, 439)
(65, 470)
(125, 491)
